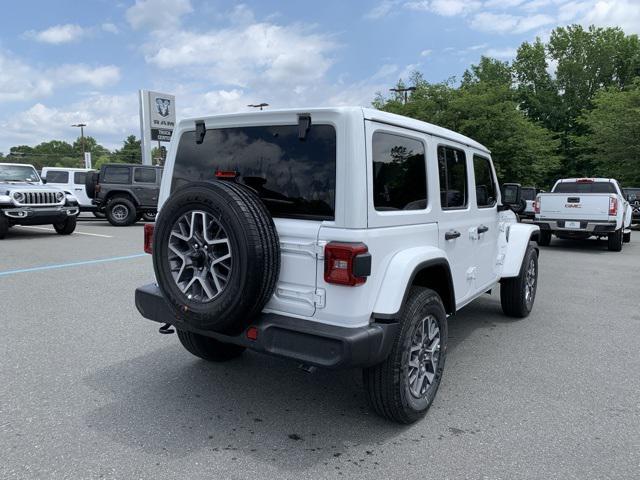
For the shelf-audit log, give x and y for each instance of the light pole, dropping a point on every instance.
(403, 90)
(259, 105)
(81, 125)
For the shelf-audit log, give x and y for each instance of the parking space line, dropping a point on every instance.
(53, 230)
(71, 264)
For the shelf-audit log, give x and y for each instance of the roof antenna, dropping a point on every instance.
(201, 131)
(304, 124)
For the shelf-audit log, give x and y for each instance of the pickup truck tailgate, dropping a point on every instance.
(574, 206)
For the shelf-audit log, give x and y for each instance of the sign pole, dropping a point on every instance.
(145, 127)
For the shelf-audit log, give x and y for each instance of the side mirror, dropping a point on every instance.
(512, 196)
(44, 180)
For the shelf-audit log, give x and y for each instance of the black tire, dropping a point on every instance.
(67, 227)
(121, 212)
(516, 299)
(99, 214)
(149, 216)
(614, 241)
(252, 243)
(387, 384)
(90, 182)
(4, 225)
(544, 238)
(208, 348)
(626, 237)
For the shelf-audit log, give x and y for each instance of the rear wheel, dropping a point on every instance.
(614, 241)
(518, 294)
(208, 348)
(121, 212)
(402, 387)
(544, 238)
(67, 227)
(626, 238)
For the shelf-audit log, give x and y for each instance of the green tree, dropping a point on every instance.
(612, 146)
(130, 152)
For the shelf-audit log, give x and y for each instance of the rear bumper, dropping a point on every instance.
(593, 227)
(41, 215)
(305, 341)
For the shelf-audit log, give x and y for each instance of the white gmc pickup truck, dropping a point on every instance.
(578, 208)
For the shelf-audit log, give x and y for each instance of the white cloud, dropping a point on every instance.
(246, 54)
(621, 13)
(502, 4)
(58, 34)
(20, 81)
(506, 23)
(501, 53)
(385, 71)
(110, 27)
(382, 9)
(156, 14)
(446, 8)
(426, 53)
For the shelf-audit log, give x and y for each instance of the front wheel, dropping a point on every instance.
(66, 227)
(4, 225)
(403, 386)
(614, 241)
(517, 294)
(208, 348)
(149, 216)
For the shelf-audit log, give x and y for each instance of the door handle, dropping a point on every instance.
(483, 229)
(451, 235)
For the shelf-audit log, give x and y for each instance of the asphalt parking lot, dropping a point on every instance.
(90, 390)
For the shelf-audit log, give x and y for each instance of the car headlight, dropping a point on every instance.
(18, 197)
(59, 196)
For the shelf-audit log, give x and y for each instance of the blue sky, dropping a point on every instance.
(62, 62)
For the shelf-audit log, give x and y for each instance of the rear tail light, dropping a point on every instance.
(346, 263)
(148, 238)
(536, 205)
(613, 206)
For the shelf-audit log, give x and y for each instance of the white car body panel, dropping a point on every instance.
(398, 241)
(77, 189)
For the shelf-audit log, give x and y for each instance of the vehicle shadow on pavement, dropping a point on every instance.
(589, 245)
(170, 404)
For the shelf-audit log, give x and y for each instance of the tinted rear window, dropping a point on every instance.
(54, 176)
(528, 193)
(295, 178)
(594, 187)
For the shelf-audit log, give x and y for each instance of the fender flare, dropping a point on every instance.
(122, 193)
(400, 274)
(519, 237)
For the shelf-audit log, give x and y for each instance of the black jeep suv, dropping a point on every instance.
(125, 193)
(633, 197)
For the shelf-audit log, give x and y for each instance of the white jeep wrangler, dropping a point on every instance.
(338, 237)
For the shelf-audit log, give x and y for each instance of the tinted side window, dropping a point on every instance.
(399, 173)
(115, 175)
(452, 169)
(528, 193)
(79, 178)
(485, 186)
(144, 175)
(54, 176)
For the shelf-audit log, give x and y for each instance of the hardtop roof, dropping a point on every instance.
(367, 114)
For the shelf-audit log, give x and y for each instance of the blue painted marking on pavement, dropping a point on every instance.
(72, 264)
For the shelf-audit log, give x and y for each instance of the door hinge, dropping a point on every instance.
(314, 249)
(315, 298)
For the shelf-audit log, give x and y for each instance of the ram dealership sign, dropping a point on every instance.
(157, 120)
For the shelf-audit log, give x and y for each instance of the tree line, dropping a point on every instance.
(569, 107)
(58, 153)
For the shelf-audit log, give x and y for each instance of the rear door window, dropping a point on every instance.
(452, 170)
(115, 175)
(399, 173)
(295, 178)
(79, 178)
(144, 175)
(56, 176)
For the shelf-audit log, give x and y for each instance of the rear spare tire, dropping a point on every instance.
(216, 255)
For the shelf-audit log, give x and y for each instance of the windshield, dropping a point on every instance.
(587, 187)
(295, 178)
(18, 173)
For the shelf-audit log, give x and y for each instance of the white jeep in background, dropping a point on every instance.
(579, 208)
(338, 237)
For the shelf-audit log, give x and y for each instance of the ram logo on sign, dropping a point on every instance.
(157, 120)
